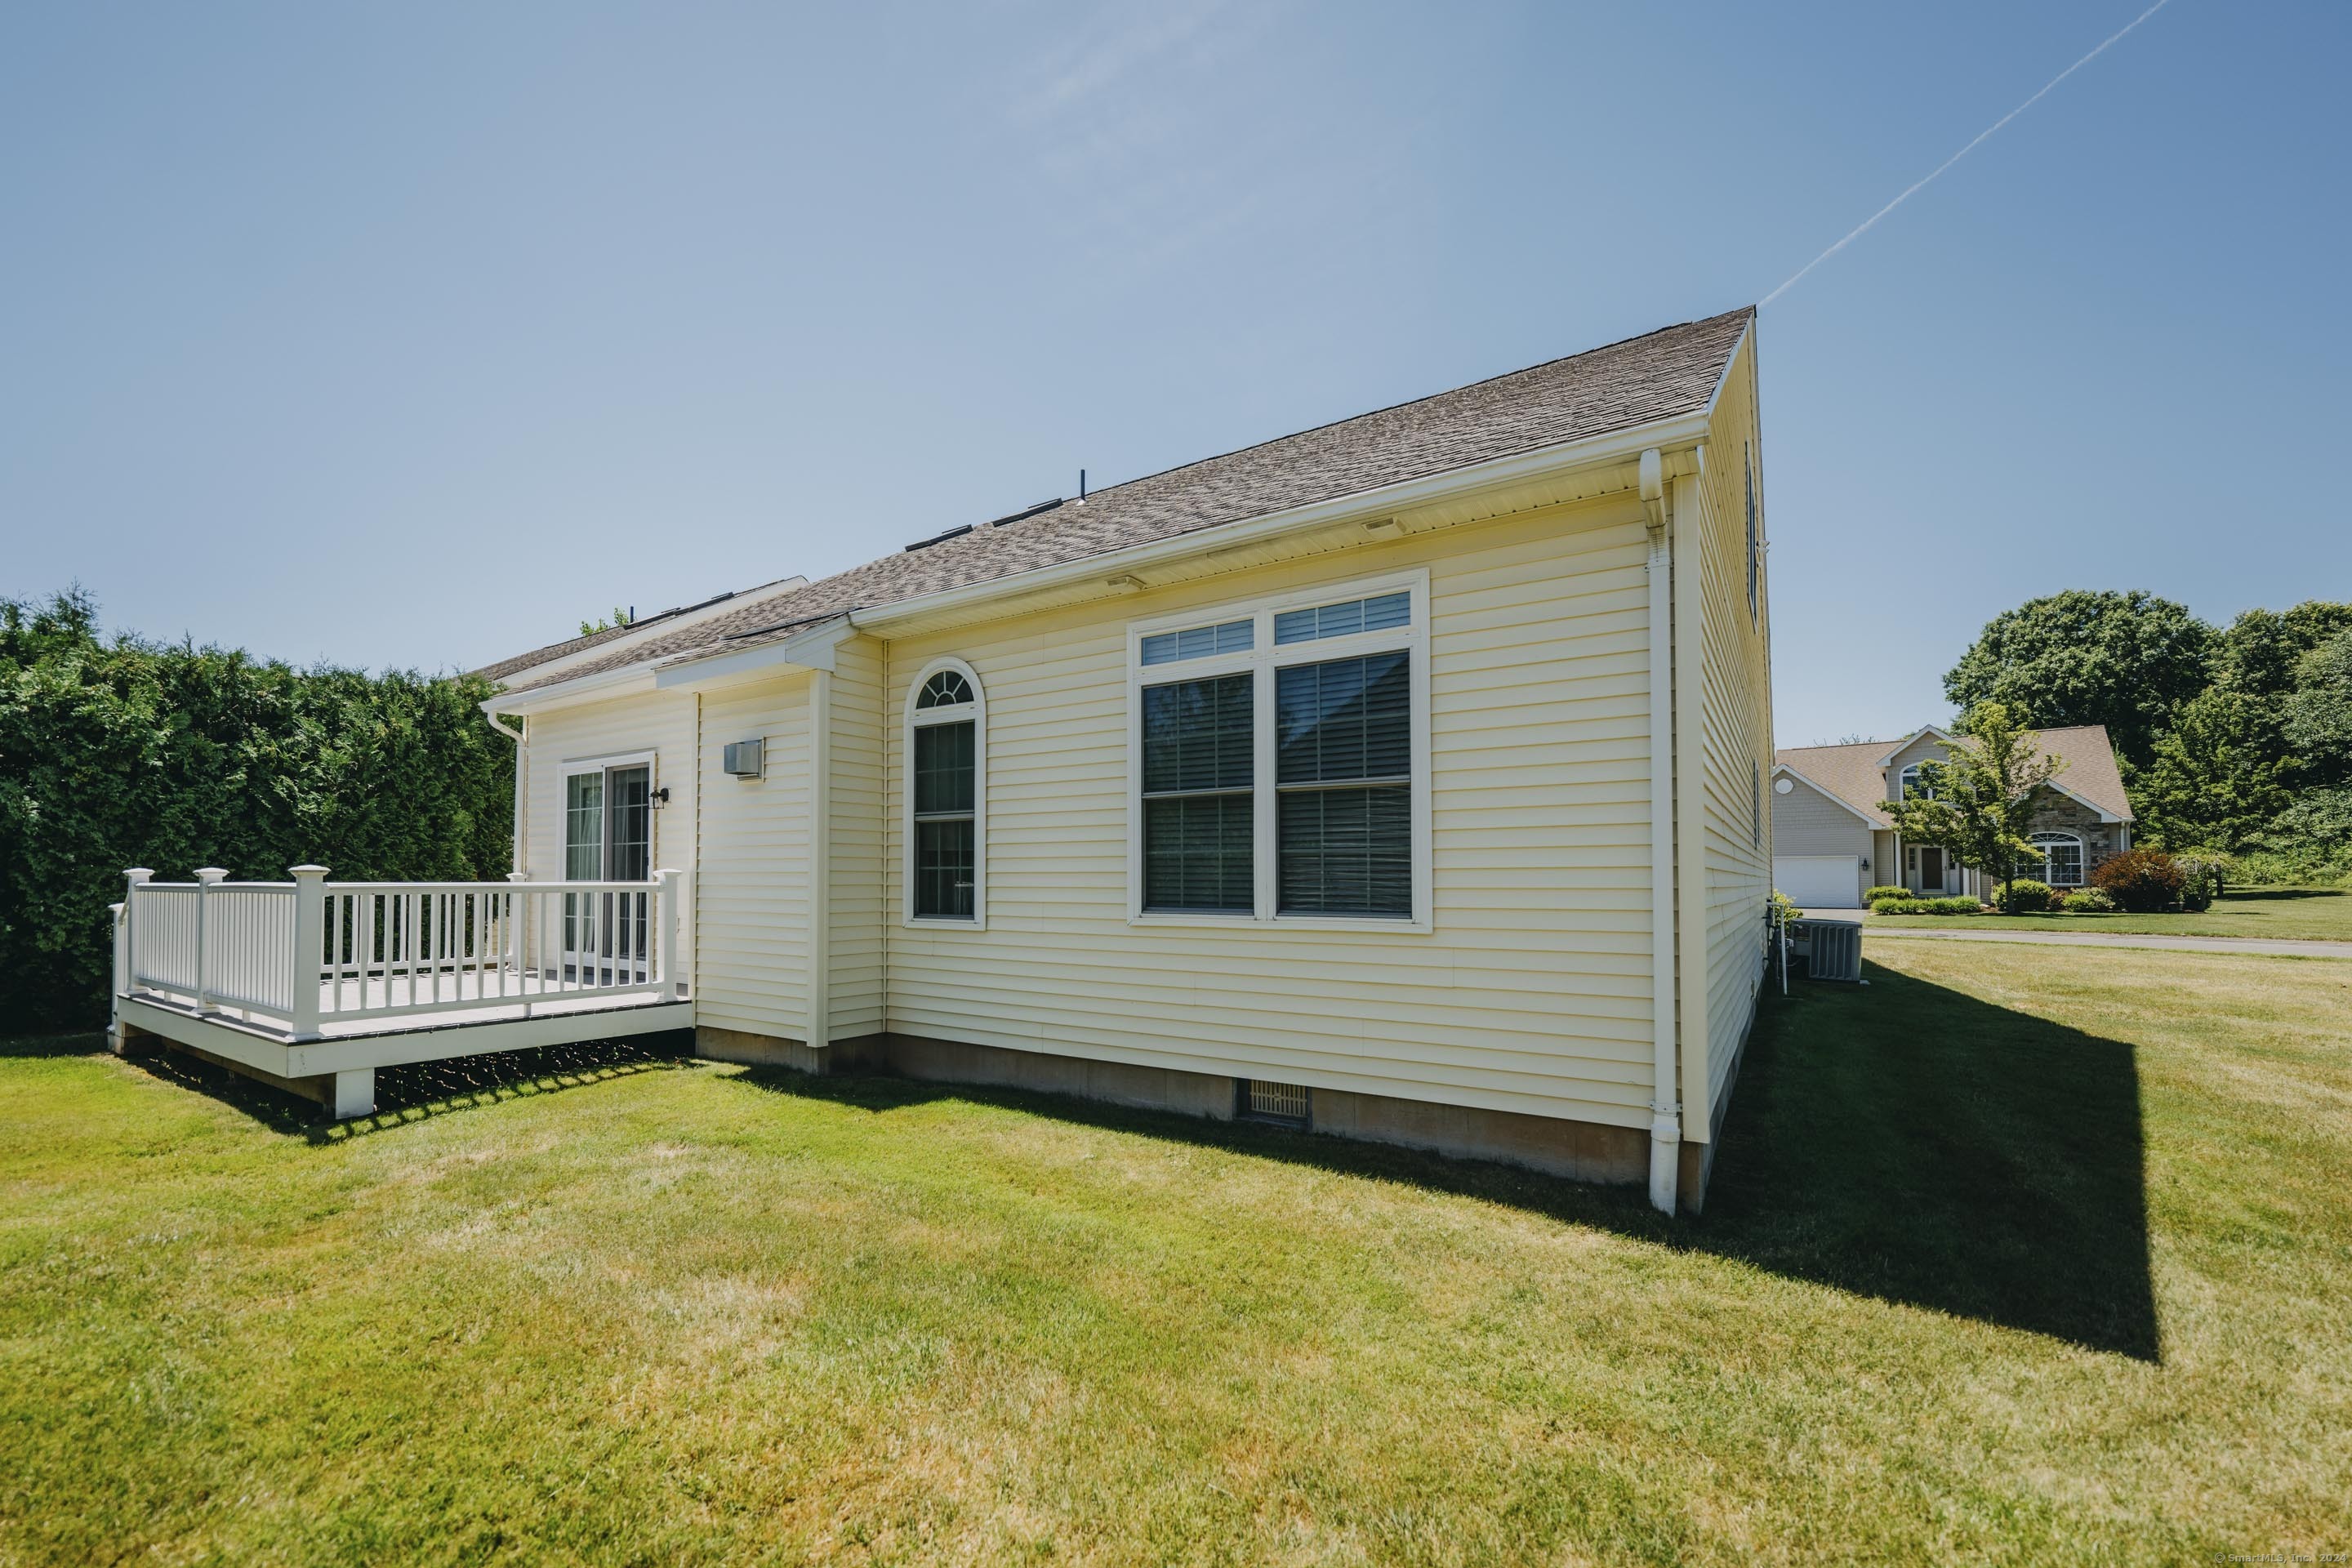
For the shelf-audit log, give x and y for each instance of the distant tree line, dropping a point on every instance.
(119, 751)
(2236, 738)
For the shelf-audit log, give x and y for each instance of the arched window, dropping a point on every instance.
(1913, 785)
(946, 780)
(945, 689)
(2061, 858)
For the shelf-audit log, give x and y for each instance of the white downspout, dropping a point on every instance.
(820, 860)
(522, 778)
(1665, 1109)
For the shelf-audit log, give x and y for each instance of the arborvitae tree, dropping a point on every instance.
(123, 752)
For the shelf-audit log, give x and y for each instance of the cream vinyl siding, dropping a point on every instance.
(858, 911)
(1737, 701)
(1807, 822)
(661, 723)
(1530, 994)
(752, 890)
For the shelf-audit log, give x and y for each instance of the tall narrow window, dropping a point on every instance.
(945, 771)
(1344, 816)
(1754, 539)
(1198, 763)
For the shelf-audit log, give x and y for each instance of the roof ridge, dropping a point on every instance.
(1426, 397)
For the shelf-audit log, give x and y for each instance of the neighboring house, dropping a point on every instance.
(1323, 781)
(1831, 841)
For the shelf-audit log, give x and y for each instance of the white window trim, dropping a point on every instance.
(2048, 836)
(1261, 659)
(916, 719)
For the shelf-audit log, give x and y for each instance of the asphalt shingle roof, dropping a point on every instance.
(1660, 375)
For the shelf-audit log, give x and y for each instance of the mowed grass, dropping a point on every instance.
(2011, 1257)
(2287, 914)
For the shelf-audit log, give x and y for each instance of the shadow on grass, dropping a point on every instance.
(87, 1044)
(2263, 895)
(1919, 1144)
(1900, 1140)
(419, 1091)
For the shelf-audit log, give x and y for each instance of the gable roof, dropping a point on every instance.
(1855, 775)
(570, 648)
(1660, 375)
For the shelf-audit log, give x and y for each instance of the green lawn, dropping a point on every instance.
(2011, 1257)
(2319, 914)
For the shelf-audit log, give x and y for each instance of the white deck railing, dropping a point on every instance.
(311, 954)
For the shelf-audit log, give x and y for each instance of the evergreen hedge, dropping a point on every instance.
(126, 753)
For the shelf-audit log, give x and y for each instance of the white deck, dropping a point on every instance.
(407, 1004)
(317, 984)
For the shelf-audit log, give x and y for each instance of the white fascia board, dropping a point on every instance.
(644, 630)
(811, 649)
(1779, 768)
(1591, 452)
(1723, 377)
(2081, 799)
(611, 683)
(1913, 735)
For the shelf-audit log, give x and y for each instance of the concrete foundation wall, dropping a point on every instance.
(1581, 1150)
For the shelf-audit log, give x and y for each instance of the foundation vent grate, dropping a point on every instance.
(1275, 1101)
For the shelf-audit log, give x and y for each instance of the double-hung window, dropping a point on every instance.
(947, 768)
(1280, 752)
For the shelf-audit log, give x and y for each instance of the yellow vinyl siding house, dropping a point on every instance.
(1402, 779)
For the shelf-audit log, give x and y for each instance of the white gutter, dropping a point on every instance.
(1618, 446)
(566, 693)
(1666, 1107)
(810, 650)
(662, 624)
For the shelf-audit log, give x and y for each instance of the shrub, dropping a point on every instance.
(1786, 906)
(2141, 881)
(1873, 895)
(1953, 906)
(2090, 901)
(2203, 873)
(1905, 905)
(2024, 897)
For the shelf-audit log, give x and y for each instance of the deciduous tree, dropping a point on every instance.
(1977, 804)
(2124, 660)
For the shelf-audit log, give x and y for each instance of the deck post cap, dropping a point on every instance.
(307, 870)
(210, 873)
(139, 873)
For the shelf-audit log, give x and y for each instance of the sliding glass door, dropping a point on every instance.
(608, 837)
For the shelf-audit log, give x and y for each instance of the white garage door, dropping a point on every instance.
(1819, 881)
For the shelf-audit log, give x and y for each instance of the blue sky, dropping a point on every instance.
(410, 336)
